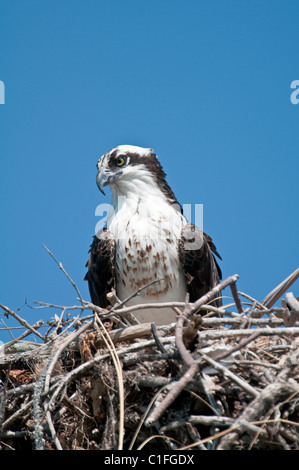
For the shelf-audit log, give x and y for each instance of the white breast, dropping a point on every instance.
(147, 250)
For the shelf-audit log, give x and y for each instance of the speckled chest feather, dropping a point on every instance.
(146, 235)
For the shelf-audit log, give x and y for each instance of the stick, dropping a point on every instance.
(64, 271)
(236, 298)
(118, 369)
(36, 325)
(42, 385)
(276, 293)
(227, 373)
(22, 321)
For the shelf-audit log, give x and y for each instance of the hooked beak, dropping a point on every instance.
(104, 178)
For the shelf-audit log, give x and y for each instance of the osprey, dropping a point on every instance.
(147, 238)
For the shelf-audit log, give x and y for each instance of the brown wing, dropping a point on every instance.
(199, 264)
(101, 269)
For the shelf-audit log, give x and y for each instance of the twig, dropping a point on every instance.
(213, 293)
(8, 345)
(276, 293)
(126, 334)
(22, 321)
(65, 272)
(118, 368)
(52, 431)
(193, 369)
(134, 308)
(161, 348)
(174, 391)
(42, 385)
(227, 333)
(145, 414)
(255, 302)
(128, 317)
(236, 297)
(86, 366)
(218, 322)
(214, 421)
(106, 313)
(280, 389)
(186, 355)
(51, 364)
(228, 374)
(26, 406)
(258, 387)
(136, 293)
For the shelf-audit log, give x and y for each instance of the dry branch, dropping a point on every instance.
(92, 382)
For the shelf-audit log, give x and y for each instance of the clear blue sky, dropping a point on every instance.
(205, 83)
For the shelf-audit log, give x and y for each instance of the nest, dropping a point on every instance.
(218, 378)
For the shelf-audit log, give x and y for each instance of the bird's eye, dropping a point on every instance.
(120, 161)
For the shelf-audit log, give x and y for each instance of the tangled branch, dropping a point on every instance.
(92, 378)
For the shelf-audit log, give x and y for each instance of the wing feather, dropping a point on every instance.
(200, 267)
(101, 268)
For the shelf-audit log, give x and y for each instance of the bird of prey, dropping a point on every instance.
(147, 238)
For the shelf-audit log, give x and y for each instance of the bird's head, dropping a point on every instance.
(130, 168)
(122, 164)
